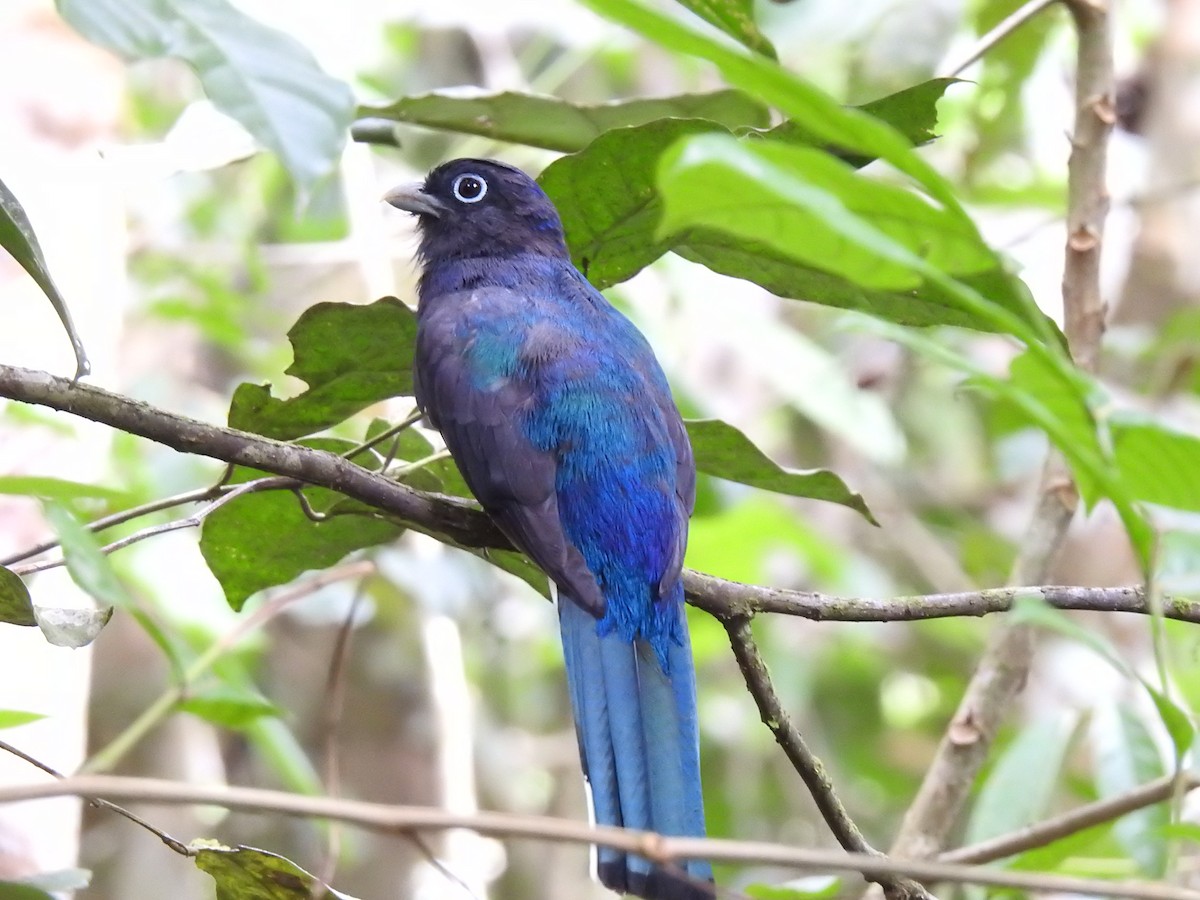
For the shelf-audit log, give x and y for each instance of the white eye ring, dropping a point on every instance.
(471, 180)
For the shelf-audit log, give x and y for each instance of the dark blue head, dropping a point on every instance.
(470, 208)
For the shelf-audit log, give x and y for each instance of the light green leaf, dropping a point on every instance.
(725, 452)
(807, 205)
(555, 124)
(244, 873)
(815, 887)
(261, 77)
(1019, 788)
(1126, 758)
(46, 488)
(1158, 465)
(16, 606)
(18, 238)
(89, 568)
(12, 718)
(736, 19)
(229, 707)
(805, 104)
(350, 355)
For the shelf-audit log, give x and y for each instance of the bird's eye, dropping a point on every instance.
(470, 188)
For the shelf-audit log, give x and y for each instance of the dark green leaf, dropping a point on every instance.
(17, 237)
(229, 707)
(723, 451)
(350, 355)
(244, 873)
(261, 77)
(609, 201)
(1126, 758)
(735, 18)
(16, 606)
(11, 718)
(558, 125)
(265, 539)
(45, 488)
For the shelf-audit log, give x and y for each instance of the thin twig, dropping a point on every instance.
(1059, 827)
(657, 848)
(198, 495)
(1002, 30)
(805, 762)
(175, 844)
(335, 701)
(195, 520)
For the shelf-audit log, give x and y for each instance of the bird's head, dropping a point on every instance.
(469, 208)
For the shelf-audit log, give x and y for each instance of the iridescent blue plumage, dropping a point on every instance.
(562, 423)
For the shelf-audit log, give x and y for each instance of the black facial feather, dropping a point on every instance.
(511, 214)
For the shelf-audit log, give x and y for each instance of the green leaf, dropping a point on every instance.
(1158, 465)
(265, 539)
(88, 567)
(350, 355)
(736, 19)
(46, 488)
(725, 452)
(912, 112)
(261, 77)
(16, 606)
(1126, 758)
(555, 124)
(806, 205)
(229, 707)
(807, 105)
(1018, 790)
(609, 202)
(11, 718)
(815, 887)
(244, 873)
(611, 211)
(18, 238)
(12, 890)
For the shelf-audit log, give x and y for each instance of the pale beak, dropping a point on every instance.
(412, 198)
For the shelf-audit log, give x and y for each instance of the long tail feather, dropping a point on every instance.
(637, 738)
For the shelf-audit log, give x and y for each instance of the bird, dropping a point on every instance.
(561, 420)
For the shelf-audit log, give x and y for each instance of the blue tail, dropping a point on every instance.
(640, 749)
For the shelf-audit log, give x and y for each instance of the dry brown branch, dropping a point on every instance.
(403, 819)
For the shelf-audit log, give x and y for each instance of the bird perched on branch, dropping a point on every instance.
(561, 420)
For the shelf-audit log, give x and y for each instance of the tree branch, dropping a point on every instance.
(803, 760)
(1051, 830)
(404, 819)
(458, 522)
(1003, 670)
